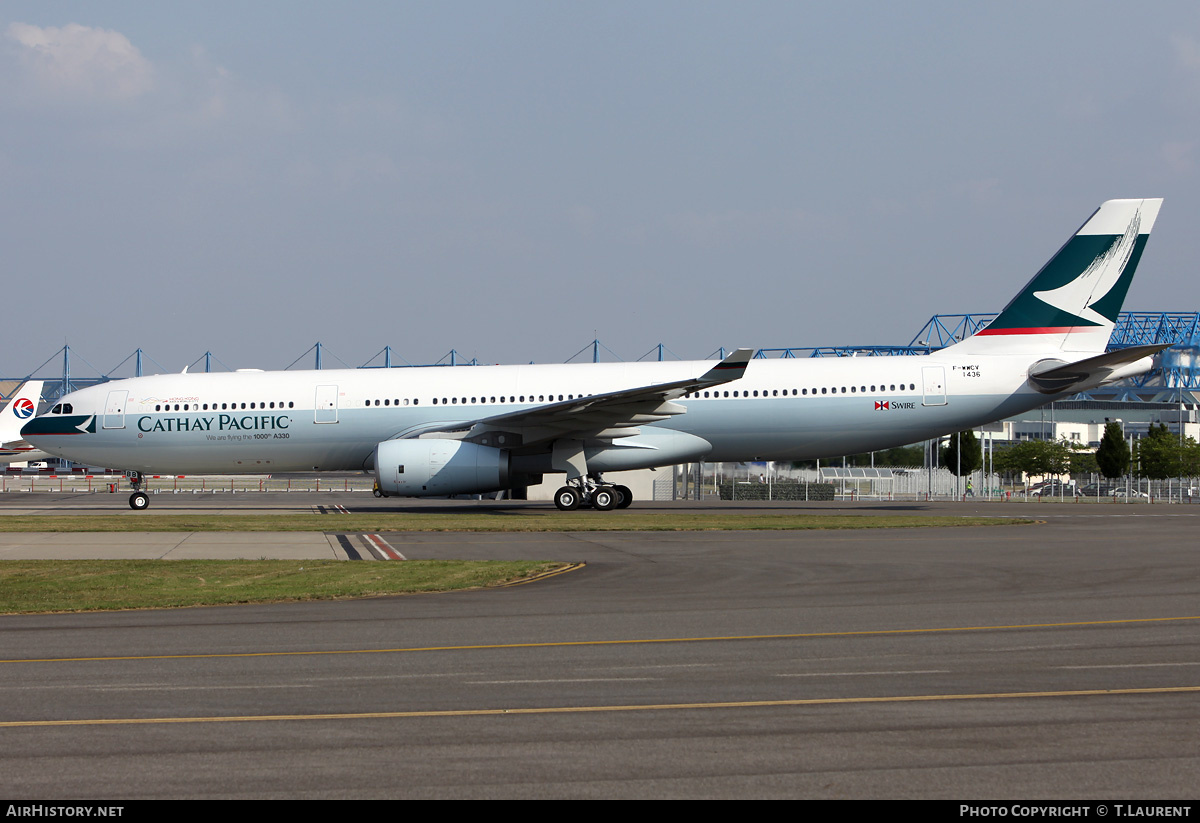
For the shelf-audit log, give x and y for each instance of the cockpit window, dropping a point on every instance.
(62, 408)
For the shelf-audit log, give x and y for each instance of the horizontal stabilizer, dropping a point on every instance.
(1054, 376)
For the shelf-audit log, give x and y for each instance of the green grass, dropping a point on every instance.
(89, 585)
(476, 521)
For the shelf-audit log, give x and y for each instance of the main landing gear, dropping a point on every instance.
(139, 500)
(593, 492)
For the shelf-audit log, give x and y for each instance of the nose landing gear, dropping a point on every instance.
(139, 500)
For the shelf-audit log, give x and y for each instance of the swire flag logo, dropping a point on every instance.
(23, 408)
(881, 406)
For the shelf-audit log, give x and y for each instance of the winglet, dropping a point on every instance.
(730, 369)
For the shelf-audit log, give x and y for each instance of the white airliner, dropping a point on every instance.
(16, 414)
(442, 431)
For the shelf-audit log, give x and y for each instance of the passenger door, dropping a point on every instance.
(933, 379)
(325, 406)
(114, 409)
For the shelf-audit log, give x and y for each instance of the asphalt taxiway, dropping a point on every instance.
(1057, 660)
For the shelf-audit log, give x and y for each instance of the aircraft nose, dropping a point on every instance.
(49, 425)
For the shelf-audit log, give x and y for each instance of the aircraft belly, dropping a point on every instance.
(193, 458)
(160, 443)
(794, 429)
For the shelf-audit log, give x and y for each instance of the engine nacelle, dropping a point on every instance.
(653, 447)
(431, 468)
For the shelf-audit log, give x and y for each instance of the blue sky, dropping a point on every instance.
(513, 179)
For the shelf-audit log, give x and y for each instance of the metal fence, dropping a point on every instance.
(790, 484)
(71, 482)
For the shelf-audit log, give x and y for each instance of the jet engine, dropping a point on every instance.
(429, 468)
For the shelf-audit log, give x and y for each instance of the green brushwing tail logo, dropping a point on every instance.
(1083, 286)
(1081, 295)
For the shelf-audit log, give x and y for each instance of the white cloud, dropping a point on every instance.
(79, 61)
(1187, 51)
(707, 228)
(1179, 155)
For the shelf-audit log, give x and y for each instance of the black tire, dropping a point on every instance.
(377, 493)
(626, 496)
(567, 499)
(139, 501)
(605, 499)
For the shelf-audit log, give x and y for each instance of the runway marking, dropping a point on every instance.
(864, 674)
(1086, 515)
(1129, 666)
(383, 548)
(348, 547)
(155, 687)
(222, 687)
(635, 642)
(376, 547)
(738, 704)
(563, 680)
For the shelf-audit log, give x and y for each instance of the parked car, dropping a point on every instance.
(1132, 493)
(1053, 489)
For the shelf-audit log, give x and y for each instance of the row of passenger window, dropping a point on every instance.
(222, 407)
(65, 408)
(542, 398)
(465, 401)
(891, 387)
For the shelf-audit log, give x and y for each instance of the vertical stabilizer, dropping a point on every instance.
(20, 410)
(1072, 304)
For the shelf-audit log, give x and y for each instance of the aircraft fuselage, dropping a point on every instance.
(332, 420)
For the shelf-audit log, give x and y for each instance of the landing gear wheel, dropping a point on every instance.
(626, 496)
(605, 499)
(567, 499)
(139, 501)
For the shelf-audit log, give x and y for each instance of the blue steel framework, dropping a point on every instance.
(1178, 367)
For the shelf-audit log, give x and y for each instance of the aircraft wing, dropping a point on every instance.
(597, 416)
(16, 451)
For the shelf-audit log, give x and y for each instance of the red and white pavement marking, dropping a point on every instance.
(377, 542)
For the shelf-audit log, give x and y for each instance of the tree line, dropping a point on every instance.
(1159, 455)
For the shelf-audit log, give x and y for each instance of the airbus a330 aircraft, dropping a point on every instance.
(443, 431)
